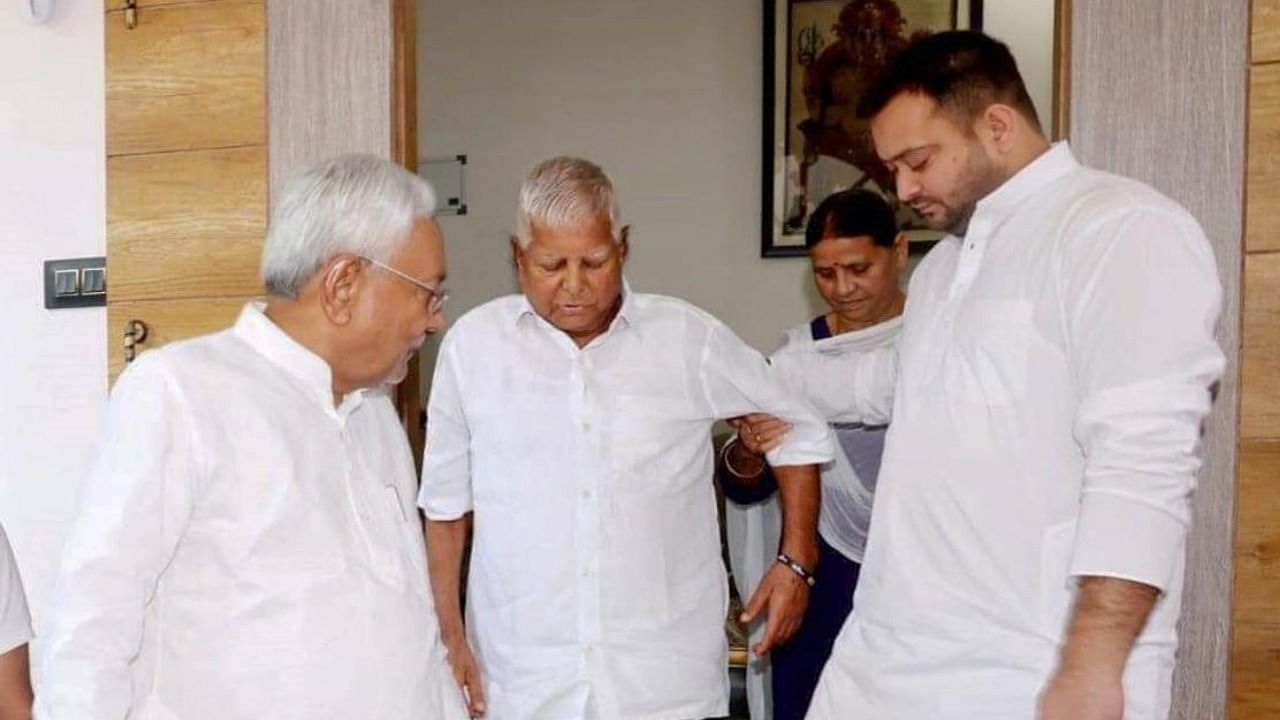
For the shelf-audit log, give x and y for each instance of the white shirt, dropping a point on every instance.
(1054, 369)
(848, 481)
(245, 549)
(596, 587)
(15, 621)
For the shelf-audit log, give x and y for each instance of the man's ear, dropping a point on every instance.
(515, 251)
(624, 242)
(999, 123)
(340, 283)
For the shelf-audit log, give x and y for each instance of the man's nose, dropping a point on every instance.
(436, 322)
(574, 280)
(907, 185)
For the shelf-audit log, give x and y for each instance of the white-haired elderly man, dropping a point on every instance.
(571, 424)
(248, 547)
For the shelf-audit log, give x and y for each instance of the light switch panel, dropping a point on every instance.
(75, 282)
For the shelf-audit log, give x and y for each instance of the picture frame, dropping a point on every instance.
(819, 57)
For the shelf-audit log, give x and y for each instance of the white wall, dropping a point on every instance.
(52, 364)
(665, 94)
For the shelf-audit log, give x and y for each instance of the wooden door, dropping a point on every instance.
(190, 161)
(186, 166)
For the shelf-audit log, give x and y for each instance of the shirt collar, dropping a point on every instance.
(1052, 164)
(626, 317)
(311, 371)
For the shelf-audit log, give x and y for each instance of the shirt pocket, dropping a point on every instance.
(990, 353)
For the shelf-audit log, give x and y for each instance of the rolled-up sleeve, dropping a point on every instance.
(738, 380)
(1143, 299)
(445, 492)
(135, 505)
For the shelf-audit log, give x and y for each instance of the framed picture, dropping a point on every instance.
(819, 58)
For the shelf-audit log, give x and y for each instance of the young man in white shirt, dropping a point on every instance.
(247, 546)
(15, 633)
(1026, 548)
(572, 422)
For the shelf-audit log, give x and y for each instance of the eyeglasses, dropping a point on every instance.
(436, 296)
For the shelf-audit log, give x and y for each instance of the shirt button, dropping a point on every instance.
(586, 494)
(586, 427)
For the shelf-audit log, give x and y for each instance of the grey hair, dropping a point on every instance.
(358, 204)
(563, 192)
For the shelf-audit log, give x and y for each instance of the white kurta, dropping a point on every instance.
(15, 621)
(596, 587)
(1054, 370)
(245, 549)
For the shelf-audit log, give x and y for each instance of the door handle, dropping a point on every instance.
(135, 331)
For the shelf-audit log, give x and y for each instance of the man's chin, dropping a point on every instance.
(398, 374)
(575, 323)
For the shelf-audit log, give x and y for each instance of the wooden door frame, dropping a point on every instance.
(404, 150)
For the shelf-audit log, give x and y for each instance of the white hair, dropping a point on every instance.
(358, 204)
(565, 192)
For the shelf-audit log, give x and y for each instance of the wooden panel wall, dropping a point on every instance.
(1166, 105)
(1255, 662)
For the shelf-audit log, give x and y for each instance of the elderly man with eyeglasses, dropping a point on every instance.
(248, 547)
(572, 424)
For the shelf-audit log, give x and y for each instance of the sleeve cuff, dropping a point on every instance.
(1120, 537)
(817, 450)
(16, 637)
(441, 507)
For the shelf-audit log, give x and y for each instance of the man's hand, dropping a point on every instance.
(1083, 695)
(759, 432)
(466, 671)
(786, 596)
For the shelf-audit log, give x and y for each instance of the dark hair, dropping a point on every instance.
(852, 213)
(965, 71)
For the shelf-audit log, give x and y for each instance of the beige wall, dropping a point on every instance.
(1027, 27)
(665, 94)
